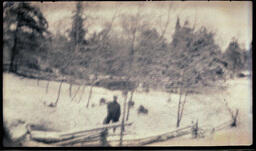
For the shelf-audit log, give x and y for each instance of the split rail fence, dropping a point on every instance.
(98, 136)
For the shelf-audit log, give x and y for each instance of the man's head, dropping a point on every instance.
(115, 98)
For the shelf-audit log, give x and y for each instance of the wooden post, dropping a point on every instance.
(90, 95)
(47, 86)
(182, 107)
(178, 112)
(81, 94)
(70, 89)
(123, 119)
(76, 93)
(127, 117)
(103, 137)
(234, 117)
(58, 93)
(195, 130)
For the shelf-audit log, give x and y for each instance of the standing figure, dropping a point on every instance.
(114, 112)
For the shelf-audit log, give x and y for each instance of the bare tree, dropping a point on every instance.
(77, 33)
(233, 115)
(58, 96)
(167, 22)
(101, 43)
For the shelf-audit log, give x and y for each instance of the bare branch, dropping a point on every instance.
(167, 22)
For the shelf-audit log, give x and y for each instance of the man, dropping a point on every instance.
(113, 109)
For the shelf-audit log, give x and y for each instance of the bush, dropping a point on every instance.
(102, 101)
(142, 110)
(241, 75)
(48, 70)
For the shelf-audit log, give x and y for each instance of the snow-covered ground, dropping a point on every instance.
(24, 100)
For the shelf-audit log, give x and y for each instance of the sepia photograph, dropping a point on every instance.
(130, 73)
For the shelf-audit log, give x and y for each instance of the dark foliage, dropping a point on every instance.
(142, 110)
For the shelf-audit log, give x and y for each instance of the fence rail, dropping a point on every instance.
(60, 137)
(92, 137)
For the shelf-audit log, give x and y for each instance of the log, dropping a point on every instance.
(48, 137)
(53, 137)
(92, 138)
(79, 140)
(151, 139)
(96, 129)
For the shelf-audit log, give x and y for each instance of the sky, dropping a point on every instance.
(226, 19)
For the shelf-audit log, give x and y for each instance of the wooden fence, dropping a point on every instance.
(71, 138)
(95, 137)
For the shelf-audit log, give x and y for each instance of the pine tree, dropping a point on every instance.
(23, 16)
(234, 56)
(77, 34)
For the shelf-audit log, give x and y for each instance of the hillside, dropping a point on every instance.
(28, 106)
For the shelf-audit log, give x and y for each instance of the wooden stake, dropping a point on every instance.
(76, 93)
(81, 94)
(70, 89)
(122, 126)
(127, 117)
(48, 82)
(183, 104)
(178, 113)
(58, 93)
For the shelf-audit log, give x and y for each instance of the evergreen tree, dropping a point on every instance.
(77, 33)
(234, 56)
(27, 22)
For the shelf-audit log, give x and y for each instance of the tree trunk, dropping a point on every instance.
(13, 66)
(58, 94)
(90, 93)
(70, 89)
(178, 113)
(128, 112)
(89, 98)
(76, 93)
(123, 119)
(182, 107)
(234, 117)
(81, 94)
(47, 86)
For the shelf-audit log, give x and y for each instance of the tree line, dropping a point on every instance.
(191, 59)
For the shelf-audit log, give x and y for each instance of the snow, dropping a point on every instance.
(24, 100)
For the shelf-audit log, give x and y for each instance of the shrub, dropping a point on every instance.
(241, 75)
(102, 101)
(142, 110)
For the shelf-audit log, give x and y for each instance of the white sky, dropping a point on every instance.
(227, 19)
